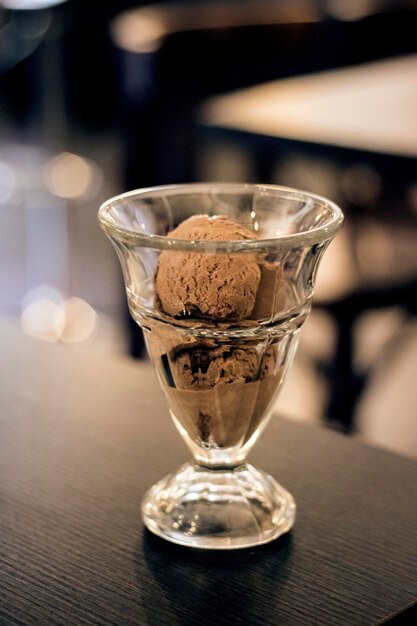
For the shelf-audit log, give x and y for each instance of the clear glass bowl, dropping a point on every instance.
(221, 318)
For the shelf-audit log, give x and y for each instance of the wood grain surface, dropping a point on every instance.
(83, 436)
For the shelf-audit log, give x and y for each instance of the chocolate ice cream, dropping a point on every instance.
(217, 391)
(218, 286)
(219, 388)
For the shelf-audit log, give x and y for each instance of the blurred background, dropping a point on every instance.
(100, 97)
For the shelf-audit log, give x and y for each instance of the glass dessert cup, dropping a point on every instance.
(220, 309)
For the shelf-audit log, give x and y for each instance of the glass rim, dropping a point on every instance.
(320, 234)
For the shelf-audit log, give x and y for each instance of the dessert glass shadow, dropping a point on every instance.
(220, 278)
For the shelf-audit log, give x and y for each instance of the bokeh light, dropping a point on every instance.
(71, 176)
(47, 315)
(42, 314)
(30, 5)
(81, 321)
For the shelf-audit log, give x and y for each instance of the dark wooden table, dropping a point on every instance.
(81, 438)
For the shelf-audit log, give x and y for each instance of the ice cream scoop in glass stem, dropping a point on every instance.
(220, 278)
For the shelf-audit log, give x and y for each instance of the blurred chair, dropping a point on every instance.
(171, 57)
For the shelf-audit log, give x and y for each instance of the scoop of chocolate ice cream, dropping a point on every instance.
(218, 391)
(202, 368)
(220, 286)
(219, 395)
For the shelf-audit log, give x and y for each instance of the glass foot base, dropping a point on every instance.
(218, 509)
